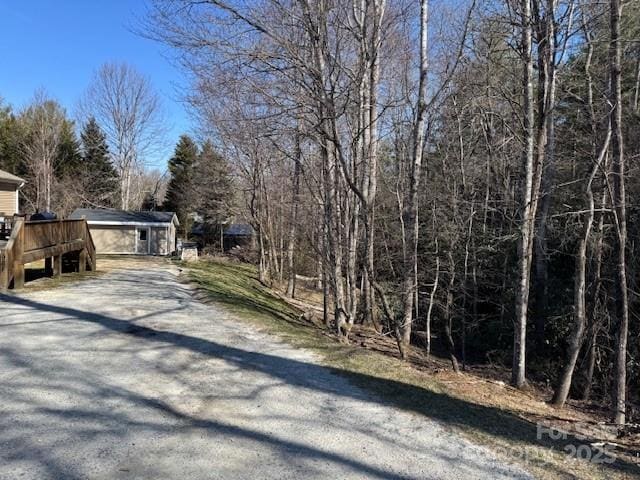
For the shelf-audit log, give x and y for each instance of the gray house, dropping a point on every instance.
(131, 233)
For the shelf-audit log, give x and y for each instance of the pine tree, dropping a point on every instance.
(213, 188)
(180, 193)
(69, 157)
(10, 139)
(101, 178)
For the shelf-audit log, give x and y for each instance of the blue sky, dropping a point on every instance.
(58, 44)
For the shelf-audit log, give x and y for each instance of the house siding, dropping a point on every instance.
(172, 238)
(121, 239)
(114, 239)
(8, 198)
(159, 241)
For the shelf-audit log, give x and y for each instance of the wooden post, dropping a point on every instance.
(82, 261)
(4, 274)
(18, 251)
(48, 267)
(57, 266)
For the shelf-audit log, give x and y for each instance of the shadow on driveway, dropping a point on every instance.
(437, 406)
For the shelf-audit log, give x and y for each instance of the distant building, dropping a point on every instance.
(238, 234)
(131, 233)
(9, 187)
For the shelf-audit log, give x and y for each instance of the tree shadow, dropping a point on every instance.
(447, 410)
(119, 423)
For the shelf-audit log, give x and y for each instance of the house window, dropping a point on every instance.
(143, 235)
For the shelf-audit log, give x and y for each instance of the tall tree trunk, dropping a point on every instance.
(125, 186)
(465, 284)
(432, 297)
(352, 260)
(546, 156)
(295, 200)
(619, 206)
(379, 7)
(591, 365)
(448, 321)
(316, 17)
(48, 175)
(518, 372)
(410, 210)
(324, 271)
(262, 267)
(595, 322)
(580, 286)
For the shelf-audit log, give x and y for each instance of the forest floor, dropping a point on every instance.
(519, 425)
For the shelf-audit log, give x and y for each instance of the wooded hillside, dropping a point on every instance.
(459, 175)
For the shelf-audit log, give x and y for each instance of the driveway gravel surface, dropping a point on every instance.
(127, 376)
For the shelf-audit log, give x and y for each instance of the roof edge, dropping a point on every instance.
(116, 222)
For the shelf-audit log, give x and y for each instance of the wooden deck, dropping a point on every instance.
(49, 240)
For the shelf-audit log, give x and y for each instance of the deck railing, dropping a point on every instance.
(49, 240)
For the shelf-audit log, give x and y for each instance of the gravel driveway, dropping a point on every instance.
(126, 376)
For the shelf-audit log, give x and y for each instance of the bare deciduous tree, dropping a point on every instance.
(43, 121)
(123, 102)
(619, 202)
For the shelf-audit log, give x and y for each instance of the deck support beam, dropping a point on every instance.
(18, 264)
(48, 266)
(82, 261)
(18, 275)
(57, 266)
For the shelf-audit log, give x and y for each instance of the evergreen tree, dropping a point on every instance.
(149, 202)
(10, 139)
(213, 188)
(101, 178)
(69, 157)
(180, 192)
